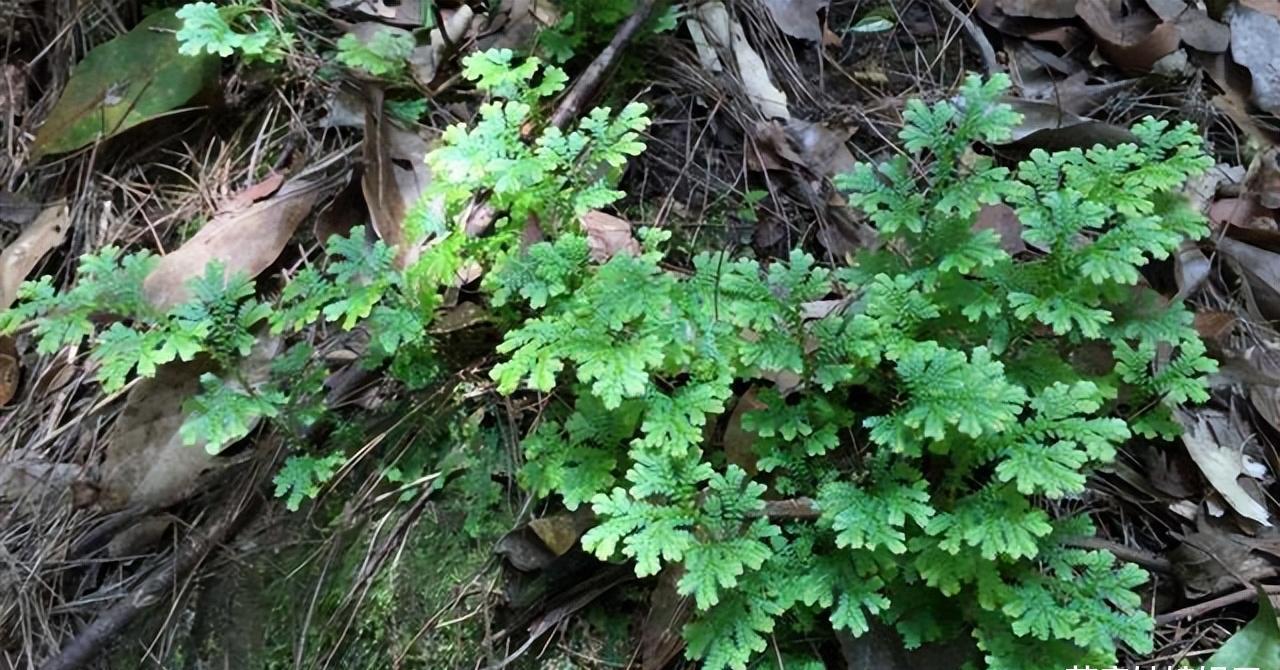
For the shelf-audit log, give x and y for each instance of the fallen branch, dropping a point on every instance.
(1243, 595)
(588, 83)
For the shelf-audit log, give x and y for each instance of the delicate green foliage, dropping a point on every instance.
(238, 27)
(917, 409)
(223, 413)
(303, 476)
(383, 54)
(553, 177)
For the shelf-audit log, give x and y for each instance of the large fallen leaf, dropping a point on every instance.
(1257, 645)
(1254, 36)
(1132, 41)
(798, 18)
(18, 259)
(395, 174)
(1196, 29)
(124, 82)
(146, 463)
(1048, 126)
(1221, 464)
(244, 241)
(717, 37)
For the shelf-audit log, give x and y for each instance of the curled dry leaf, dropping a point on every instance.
(47, 231)
(718, 37)
(1221, 464)
(1196, 29)
(1254, 36)
(395, 174)
(608, 236)
(798, 18)
(1048, 126)
(18, 259)
(1133, 41)
(244, 241)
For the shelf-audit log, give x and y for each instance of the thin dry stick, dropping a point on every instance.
(589, 82)
(975, 34)
(1243, 595)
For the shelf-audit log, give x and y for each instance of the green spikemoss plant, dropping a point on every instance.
(932, 414)
(548, 180)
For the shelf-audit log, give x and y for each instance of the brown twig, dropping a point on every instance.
(975, 34)
(1243, 595)
(589, 82)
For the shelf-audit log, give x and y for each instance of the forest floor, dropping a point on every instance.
(120, 547)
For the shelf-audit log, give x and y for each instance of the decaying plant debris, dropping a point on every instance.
(121, 545)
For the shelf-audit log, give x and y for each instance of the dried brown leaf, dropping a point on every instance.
(251, 194)
(395, 174)
(1048, 126)
(244, 241)
(33, 482)
(717, 37)
(425, 60)
(18, 259)
(146, 463)
(738, 441)
(1197, 30)
(1132, 41)
(10, 369)
(1004, 220)
(1260, 268)
(608, 236)
(1221, 464)
(1211, 560)
(798, 18)
(660, 638)
(1254, 36)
